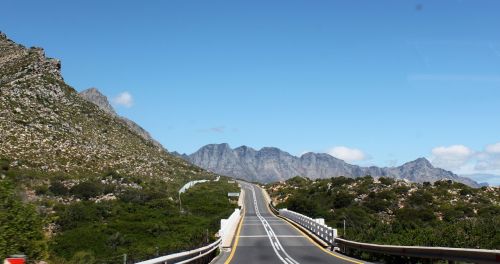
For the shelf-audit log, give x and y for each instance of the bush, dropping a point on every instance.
(339, 181)
(41, 189)
(342, 199)
(21, 228)
(87, 190)
(417, 216)
(386, 181)
(83, 257)
(420, 198)
(302, 204)
(391, 214)
(57, 188)
(4, 164)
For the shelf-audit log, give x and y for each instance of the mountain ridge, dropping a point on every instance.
(270, 164)
(96, 97)
(47, 126)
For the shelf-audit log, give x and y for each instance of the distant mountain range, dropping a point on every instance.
(492, 179)
(272, 164)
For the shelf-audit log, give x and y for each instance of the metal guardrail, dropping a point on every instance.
(187, 256)
(444, 253)
(273, 209)
(323, 231)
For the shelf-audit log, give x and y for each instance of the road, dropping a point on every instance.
(265, 238)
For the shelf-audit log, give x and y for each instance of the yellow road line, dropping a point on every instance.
(314, 242)
(320, 247)
(233, 249)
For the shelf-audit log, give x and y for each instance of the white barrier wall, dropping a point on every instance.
(316, 226)
(190, 184)
(228, 227)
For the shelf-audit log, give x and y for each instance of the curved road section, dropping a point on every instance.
(265, 238)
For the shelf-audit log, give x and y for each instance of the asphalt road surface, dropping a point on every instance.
(265, 238)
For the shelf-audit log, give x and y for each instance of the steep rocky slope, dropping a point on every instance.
(93, 95)
(272, 164)
(45, 125)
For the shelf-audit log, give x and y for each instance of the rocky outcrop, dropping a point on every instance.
(45, 125)
(272, 164)
(94, 96)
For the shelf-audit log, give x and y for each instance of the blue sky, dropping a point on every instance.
(373, 82)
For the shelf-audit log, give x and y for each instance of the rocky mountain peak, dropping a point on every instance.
(271, 164)
(218, 148)
(95, 96)
(245, 150)
(272, 152)
(423, 162)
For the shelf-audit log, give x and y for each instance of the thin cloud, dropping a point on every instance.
(454, 77)
(451, 157)
(493, 148)
(464, 160)
(217, 129)
(124, 99)
(348, 154)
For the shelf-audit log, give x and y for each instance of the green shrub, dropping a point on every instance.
(4, 164)
(87, 190)
(83, 257)
(386, 181)
(57, 188)
(41, 189)
(21, 228)
(342, 199)
(388, 213)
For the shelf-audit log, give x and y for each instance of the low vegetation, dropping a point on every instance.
(69, 219)
(386, 211)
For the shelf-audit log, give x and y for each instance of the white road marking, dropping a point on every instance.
(266, 236)
(275, 243)
(261, 224)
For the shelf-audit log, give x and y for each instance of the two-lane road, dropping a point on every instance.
(265, 238)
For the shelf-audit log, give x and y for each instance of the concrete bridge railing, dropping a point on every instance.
(329, 235)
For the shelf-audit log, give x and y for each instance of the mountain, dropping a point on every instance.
(93, 95)
(485, 179)
(46, 125)
(272, 164)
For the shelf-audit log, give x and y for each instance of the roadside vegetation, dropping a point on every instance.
(388, 211)
(77, 219)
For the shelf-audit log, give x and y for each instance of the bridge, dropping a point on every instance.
(261, 234)
(264, 238)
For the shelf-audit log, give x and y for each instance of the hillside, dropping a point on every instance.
(79, 184)
(389, 211)
(272, 164)
(94, 96)
(45, 124)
